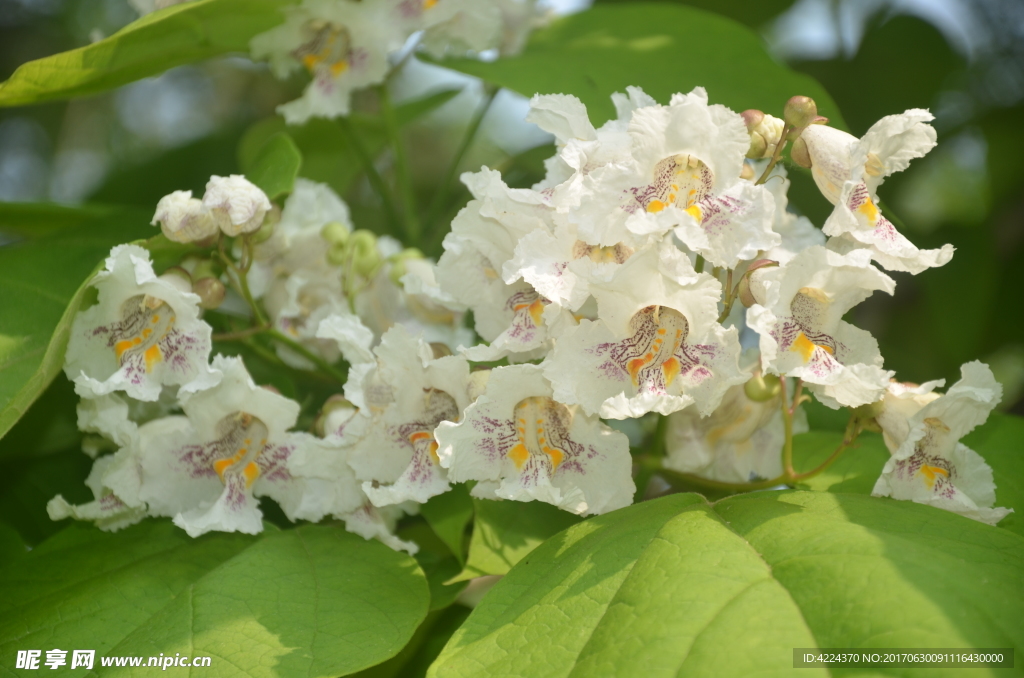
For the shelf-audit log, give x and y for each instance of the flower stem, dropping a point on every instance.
(853, 428)
(312, 357)
(403, 175)
(775, 156)
(730, 298)
(787, 423)
(441, 196)
(372, 175)
(241, 283)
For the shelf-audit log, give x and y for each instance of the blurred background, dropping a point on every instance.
(963, 59)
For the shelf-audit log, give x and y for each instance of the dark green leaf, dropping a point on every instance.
(34, 219)
(677, 586)
(504, 532)
(178, 35)
(437, 563)
(275, 166)
(1000, 441)
(663, 48)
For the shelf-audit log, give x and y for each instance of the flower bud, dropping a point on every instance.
(765, 133)
(211, 292)
(800, 111)
(334, 414)
(762, 387)
(758, 147)
(745, 293)
(440, 350)
(752, 118)
(365, 257)
(336, 233)
(179, 277)
(270, 222)
(183, 218)
(237, 205)
(398, 268)
(799, 153)
(337, 254)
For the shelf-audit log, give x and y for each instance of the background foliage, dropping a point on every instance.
(769, 571)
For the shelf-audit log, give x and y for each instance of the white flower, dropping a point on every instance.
(343, 44)
(297, 305)
(144, 7)
(797, 232)
(236, 204)
(683, 173)
(393, 446)
(457, 26)
(656, 346)
(183, 218)
(849, 170)
(520, 444)
(144, 332)
(741, 441)
(296, 244)
(799, 317)
(929, 465)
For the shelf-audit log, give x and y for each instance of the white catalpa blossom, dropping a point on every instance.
(849, 170)
(683, 174)
(343, 44)
(797, 233)
(236, 204)
(922, 430)
(656, 347)
(144, 7)
(458, 26)
(799, 313)
(143, 333)
(519, 443)
(741, 441)
(183, 218)
(392, 435)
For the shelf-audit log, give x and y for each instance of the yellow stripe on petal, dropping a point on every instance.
(519, 455)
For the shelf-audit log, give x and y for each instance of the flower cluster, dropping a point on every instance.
(347, 45)
(592, 297)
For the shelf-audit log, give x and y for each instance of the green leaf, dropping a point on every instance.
(26, 485)
(326, 154)
(436, 561)
(41, 283)
(504, 532)
(1000, 441)
(48, 427)
(662, 48)
(88, 589)
(174, 36)
(677, 586)
(312, 601)
(416, 657)
(449, 515)
(275, 166)
(856, 470)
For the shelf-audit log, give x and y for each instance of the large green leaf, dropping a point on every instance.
(42, 285)
(677, 586)
(171, 37)
(37, 219)
(1000, 441)
(856, 470)
(449, 515)
(504, 532)
(311, 601)
(88, 589)
(663, 48)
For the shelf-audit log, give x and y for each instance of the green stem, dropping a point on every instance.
(312, 357)
(403, 175)
(775, 156)
(441, 196)
(730, 298)
(240, 279)
(372, 175)
(853, 429)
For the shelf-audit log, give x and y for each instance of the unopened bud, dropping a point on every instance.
(183, 218)
(765, 133)
(335, 232)
(752, 118)
(333, 415)
(337, 254)
(398, 264)
(201, 268)
(799, 153)
(440, 350)
(365, 257)
(270, 222)
(762, 387)
(800, 111)
(758, 146)
(237, 204)
(745, 293)
(210, 292)
(179, 277)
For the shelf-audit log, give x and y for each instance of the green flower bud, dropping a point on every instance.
(365, 257)
(799, 153)
(762, 387)
(398, 268)
(337, 253)
(335, 233)
(745, 294)
(758, 146)
(211, 292)
(179, 277)
(800, 111)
